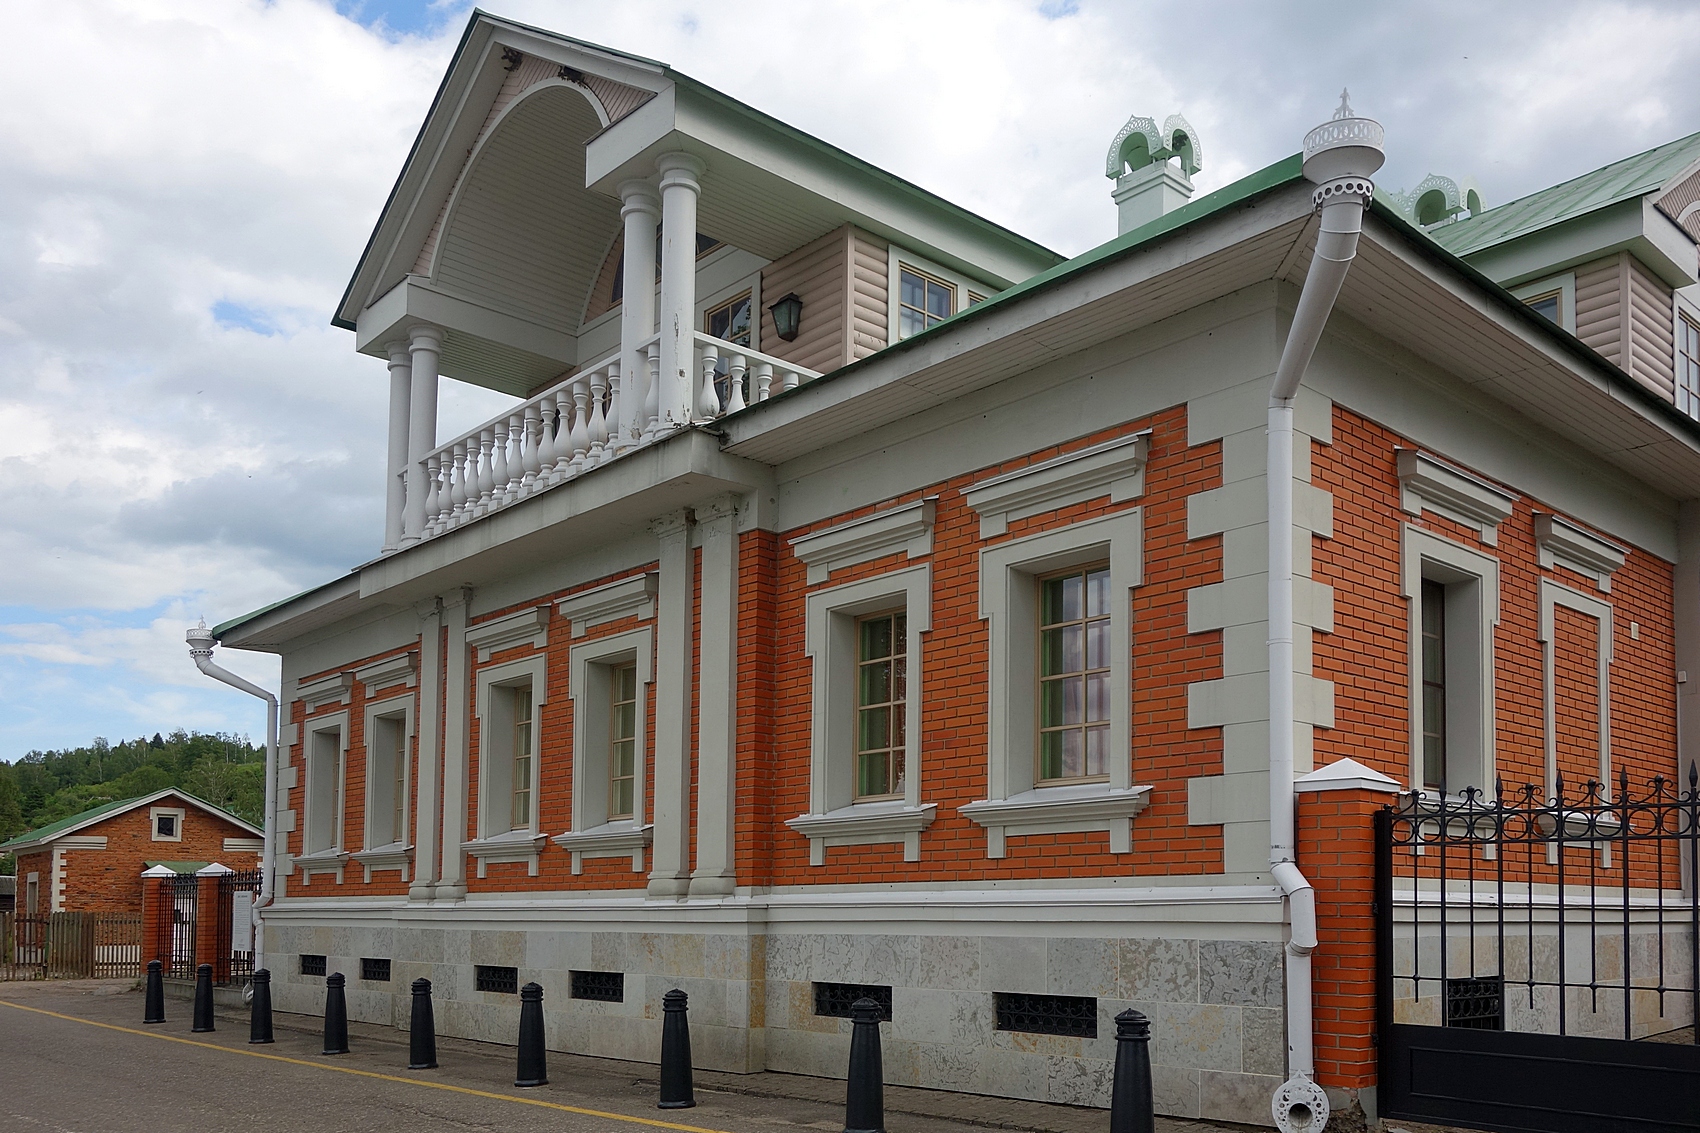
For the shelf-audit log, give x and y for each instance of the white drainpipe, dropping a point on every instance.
(1340, 155)
(201, 642)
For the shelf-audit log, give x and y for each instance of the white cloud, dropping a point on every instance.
(185, 188)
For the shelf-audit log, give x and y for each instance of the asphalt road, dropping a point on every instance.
(75, 1058)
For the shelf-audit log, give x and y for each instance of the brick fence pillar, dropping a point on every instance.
(157, 901)
(212, 929)
(1336, 847)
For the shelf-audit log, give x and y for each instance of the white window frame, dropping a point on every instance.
(32, 893)
(499, 840)
(331, 858)
(1685, 311)
(835, 818)
(1472, 582)
(590, 669)
(1552, 595)
(960, 284)
(1009, 604)
(154, 815)
(1564, 284)
(396, 852)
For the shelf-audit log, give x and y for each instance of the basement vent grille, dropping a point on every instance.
(312, 965)
(835, 1000)
(375, 969)
(1073, 1015)
(604, 987)
(1476, 1003)
(502, 980)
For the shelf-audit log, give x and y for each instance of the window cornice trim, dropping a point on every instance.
(333, 689)
(1115, 468)
(1429, 483)
(403, 668)
(907, 528)
(628, 597)
(523, 627)
(1562, 543)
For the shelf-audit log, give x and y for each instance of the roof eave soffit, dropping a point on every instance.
(451, 132)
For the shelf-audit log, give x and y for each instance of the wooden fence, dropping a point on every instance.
(70, 946)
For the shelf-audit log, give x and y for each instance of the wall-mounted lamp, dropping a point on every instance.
(787, 316)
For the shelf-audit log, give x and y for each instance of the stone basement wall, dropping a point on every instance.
(1216, 1006)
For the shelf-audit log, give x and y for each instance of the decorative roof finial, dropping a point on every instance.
(1345, 110)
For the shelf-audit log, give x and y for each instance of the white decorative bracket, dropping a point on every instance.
(1429, 484)
(1562, 543)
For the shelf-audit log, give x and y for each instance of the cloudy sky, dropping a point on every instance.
(185, 186)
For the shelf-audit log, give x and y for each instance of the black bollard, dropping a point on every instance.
(676, 1091)
(336, 1014)
(1131, 1106)
(864, 1102)
(422, 1036)
(153, 1003)
(203, 999)
(533, 1064)
(260, 1010)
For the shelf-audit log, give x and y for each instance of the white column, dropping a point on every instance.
(679, 190)
(425, 347)
(717, 719)
(395, 492)
(641, 210)
(456, 713)
(670, 866)
(427, 772)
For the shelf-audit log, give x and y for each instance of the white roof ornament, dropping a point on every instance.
(1342, 154)
(1140, 143)
(1437, 200)
(1143, 163)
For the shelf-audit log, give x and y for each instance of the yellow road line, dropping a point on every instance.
(650, 1121)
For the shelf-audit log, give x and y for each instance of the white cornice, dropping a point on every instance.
(334, 689)
(396, 855)
(1427, 483)
(907, 528)
(1115, 468)
(610, 840)
(626, 598)
(403, 668)
(1060, 810)
(1562, 543)
(523, 627)
(513, 846)
(866, 824)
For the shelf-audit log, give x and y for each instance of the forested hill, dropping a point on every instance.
(45, 786)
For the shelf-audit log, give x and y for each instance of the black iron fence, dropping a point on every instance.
(237, 893)
(1574, 914)
(185, 902)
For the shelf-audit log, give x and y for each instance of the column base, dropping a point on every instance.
(669, 886)
(449, 891)
(421, 890)
(713, 886)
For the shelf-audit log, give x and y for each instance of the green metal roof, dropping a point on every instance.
(1621, 180)
(63, 824)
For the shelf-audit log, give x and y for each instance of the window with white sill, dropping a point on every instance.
(389, 735)
(325, 751)
(1453, 596)
(610, 682)
(1058, 606)
(509, 704)
(863, 640)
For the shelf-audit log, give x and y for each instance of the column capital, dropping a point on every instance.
(671, 525)
(680, 168)
(398, 351)
(423, 336)
(639, 196)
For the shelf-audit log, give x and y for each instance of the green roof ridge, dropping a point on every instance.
(66, 823)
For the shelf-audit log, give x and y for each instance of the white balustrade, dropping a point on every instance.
(580, 423)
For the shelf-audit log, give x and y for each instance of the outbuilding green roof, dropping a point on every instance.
(63, 824)
(1621, 180)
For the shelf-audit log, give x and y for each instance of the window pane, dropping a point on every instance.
(1062, 701)
(1060, 650)
(912, 290)
(1098, 750)
(1098, 644)
(872, 775)
(938, 301)
(875, 683)
(876, 638)
(873, 729)
(1545, 306)
(1050, 755)
(625, 758)
(1098, 696)
(620, 804)
(1097, 593)
(900, 678)
(1073, 754)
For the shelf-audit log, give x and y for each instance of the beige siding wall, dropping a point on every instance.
(1653, 344)
(869, 295)
(1599, 307)
(817, 273)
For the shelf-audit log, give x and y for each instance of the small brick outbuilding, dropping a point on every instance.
(92, 862)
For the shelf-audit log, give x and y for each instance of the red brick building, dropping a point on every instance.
(93, 861)
(886, 606)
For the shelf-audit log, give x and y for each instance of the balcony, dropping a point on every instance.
(583, 422)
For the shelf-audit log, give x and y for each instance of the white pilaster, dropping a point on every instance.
(640, 209)
(452, 883)
(428, 771)
(395, 491)
(1687, 640)
(717, 717)
(679, 190)
(425, 347)
(670, 872)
